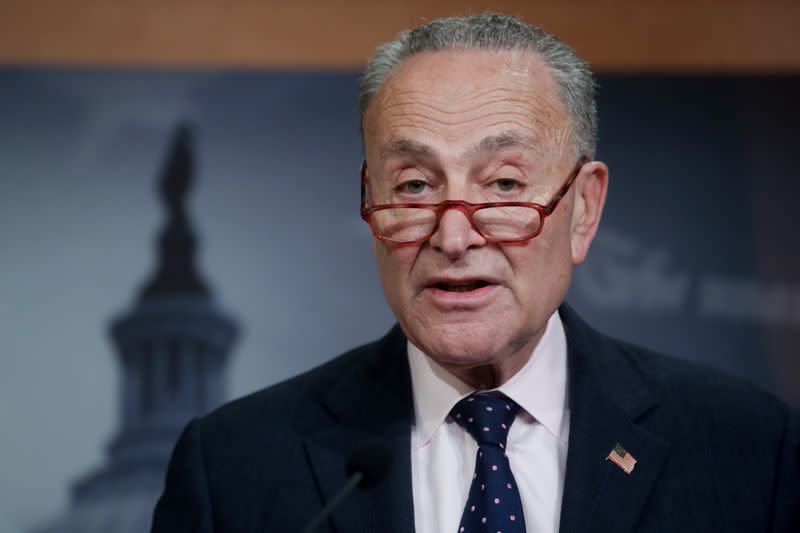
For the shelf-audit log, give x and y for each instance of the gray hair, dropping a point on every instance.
(492, 31)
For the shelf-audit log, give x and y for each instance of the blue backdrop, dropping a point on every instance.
(697, 255)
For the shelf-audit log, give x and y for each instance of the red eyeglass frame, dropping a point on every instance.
(468, 208)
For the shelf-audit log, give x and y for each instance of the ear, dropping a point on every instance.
(590, 197)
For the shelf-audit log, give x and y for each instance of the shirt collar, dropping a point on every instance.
(539, 387)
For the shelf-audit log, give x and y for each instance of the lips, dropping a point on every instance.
(462, 294)
(461, 286)
(460, 283)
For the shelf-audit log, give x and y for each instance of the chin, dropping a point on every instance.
(462, 344)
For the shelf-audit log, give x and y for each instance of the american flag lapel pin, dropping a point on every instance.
(622, 458)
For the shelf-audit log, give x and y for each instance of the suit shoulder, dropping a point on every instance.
(279, 402)
(704, 391)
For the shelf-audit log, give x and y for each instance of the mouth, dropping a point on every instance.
(461, 294)
(461, 286)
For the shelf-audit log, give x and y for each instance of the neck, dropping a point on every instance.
(495, 373)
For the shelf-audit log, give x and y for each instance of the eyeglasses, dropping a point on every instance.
(497, 222)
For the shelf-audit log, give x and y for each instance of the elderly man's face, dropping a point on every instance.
(477, 126)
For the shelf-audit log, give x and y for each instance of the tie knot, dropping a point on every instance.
(486, 417)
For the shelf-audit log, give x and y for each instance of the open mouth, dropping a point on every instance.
(462, 286)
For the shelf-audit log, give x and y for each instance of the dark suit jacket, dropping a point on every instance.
(712, 454)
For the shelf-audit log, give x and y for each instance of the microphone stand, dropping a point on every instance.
(351, 484)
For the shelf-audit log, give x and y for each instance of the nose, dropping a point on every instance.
(455, 234)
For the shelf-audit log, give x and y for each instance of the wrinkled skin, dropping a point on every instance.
(478, 126)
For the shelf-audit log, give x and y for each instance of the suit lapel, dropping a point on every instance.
(371, 403)
(607, 398)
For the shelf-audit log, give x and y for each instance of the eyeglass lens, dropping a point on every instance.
(409, 224)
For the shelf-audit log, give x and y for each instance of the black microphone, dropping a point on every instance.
(365, 468)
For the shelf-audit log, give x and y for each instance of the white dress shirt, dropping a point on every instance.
(443, 453)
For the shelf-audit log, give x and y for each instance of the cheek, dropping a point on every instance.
(384, 262)
(394, 267)
(557, 241)
(543, 264)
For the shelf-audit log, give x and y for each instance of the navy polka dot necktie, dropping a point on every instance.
(493, 504)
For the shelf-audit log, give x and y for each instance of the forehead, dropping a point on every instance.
(446, 99)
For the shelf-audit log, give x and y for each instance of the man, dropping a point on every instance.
(502, 410)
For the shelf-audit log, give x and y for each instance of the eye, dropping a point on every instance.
(507, 184)
(413, 187)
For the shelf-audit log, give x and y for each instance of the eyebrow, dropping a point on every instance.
(495, 143)
(487, 145)
(407, 147)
